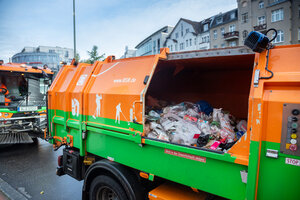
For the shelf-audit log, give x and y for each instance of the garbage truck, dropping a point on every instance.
(112, 119)
(23, 102)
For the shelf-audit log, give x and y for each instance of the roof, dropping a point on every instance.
(163, 29)
(196, 25)
(18, 67)
(225, 18)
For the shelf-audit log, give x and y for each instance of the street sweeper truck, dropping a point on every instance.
(22, 102)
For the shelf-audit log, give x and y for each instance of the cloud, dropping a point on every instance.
(111, 25)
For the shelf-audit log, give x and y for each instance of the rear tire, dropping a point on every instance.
(105, 188)
(35, 140)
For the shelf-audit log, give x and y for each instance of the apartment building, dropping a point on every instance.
(261, 15)
(231, 28)
(44, 55)
(153, 43)
(224, 30)
(184, 36)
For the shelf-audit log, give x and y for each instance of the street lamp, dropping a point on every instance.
(74, 32)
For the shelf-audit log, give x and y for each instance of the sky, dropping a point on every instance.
(109, 24)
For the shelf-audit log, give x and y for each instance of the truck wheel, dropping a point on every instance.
(106, 188)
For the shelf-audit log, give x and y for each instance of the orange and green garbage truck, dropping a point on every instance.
(98, 113)
(23, 102)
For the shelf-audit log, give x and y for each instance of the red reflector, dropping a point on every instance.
(60, 160)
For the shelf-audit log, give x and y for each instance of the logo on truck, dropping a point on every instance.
(118, 112)
(75, 107)
(98, 104)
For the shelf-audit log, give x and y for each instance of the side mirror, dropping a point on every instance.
(46, 82)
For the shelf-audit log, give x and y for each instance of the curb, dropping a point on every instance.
(10, 192)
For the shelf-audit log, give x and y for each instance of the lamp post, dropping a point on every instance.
(74, 32)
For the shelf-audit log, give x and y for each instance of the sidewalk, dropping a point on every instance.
(7, 192)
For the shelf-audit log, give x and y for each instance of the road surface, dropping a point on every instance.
(30, 169)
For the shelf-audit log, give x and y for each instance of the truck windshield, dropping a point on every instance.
(24, 90)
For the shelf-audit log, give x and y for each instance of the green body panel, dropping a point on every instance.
(218, 174)
(277, 180)
(252, 169)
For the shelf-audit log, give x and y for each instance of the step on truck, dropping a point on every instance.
(99, 114)
(23, 91)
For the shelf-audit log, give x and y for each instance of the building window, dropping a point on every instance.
(195, 41)
(232, 28)
(219, 20)
(176, 47)
(245, 34)
(215, 46)
(187, 43)
(215, 34)
(205, 27)
(190, 42)
(171, 47)
(261, 20)
(261, 4)
(205, 39)
(158, 45)
(244, 4)
(176, 35)
(280, 36)
(245, 18)
(181, 30)
(222, 31)
(277, 15)
(298, 33)
(154, 46)
(51, 51)
(232, 15)
(181, 47)
(223, 45)
(232, 43)
(187, 30)
(299, 11)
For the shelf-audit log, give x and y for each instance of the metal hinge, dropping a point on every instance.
(244, 176)
(256, 78)
(272, 153)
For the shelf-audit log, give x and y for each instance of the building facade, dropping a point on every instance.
(261, 15)
(44, 55)
(128, 53)
(183, 37)
(224, 30)
(231, 28)
(189, 35)
(153, 43)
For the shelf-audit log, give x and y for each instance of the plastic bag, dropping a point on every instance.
(153, 116)
(242, 126)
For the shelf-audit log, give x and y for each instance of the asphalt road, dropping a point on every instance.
(30, 169)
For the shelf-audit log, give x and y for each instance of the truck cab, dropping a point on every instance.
(22, 102)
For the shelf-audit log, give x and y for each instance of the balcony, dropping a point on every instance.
(231, 35)
(261, 27)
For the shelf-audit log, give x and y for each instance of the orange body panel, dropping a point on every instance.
(270, 95)
(118, 85)
(175, 192)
